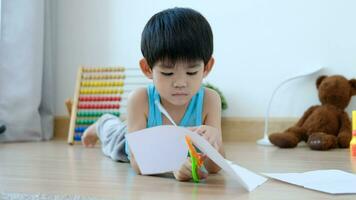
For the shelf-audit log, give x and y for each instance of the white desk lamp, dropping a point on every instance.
(265, 141)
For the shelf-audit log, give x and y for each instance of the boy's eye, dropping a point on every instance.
(192, 73)
(167, 73)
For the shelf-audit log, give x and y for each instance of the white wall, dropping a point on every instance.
(257, 45)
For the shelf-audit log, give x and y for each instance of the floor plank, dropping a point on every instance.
(57, 168)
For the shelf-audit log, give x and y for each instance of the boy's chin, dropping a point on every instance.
(179, 102)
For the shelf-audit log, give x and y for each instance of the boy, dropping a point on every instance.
(177, 46)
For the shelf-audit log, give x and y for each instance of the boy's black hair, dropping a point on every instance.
(177, 34)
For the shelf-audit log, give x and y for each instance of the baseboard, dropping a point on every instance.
(233, 128)
(251, 129)
(61, 127)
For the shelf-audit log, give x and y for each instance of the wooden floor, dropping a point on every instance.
(54, 167)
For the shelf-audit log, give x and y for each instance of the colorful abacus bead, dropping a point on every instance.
(77, 137)
(98, 106)
(96, 113)
(104, 69)
(85, 121)
(80, 129)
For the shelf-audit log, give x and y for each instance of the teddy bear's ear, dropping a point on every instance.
(319, 80)
(353, 86)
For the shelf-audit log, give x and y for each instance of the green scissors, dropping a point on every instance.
(195, 157)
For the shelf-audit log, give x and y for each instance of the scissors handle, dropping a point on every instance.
(195, 157)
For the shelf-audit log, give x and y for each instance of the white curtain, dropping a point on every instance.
(26, 83)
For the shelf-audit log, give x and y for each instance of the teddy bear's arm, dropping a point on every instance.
(344, 136)
(305, 116)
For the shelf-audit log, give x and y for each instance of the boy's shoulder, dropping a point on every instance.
(211, 95)
(138, 94)
(212, 101)
(212, 104)
(137, 109)
(138, 100)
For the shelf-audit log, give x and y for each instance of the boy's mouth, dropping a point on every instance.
(179, 94)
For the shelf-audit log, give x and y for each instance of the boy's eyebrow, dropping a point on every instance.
(167, 66)
(194, 65)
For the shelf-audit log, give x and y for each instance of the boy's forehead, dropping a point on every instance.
(180, 63)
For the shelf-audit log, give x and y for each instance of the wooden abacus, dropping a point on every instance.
(99, 90)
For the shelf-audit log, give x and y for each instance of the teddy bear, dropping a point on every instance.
(324, 126)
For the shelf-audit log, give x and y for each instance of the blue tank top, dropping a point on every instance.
(191, 117)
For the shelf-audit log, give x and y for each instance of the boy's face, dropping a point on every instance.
(177, 83)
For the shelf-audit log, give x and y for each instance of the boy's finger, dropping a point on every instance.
(183, 174)
(186, 170)
(199, 129)
(193, 128)
(187, 165)
(204, 157)
(203, 174)
(202, 129)
(186, 174)
(180, 176)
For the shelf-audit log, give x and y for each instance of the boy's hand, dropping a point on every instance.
(185, 172)
(211, 134)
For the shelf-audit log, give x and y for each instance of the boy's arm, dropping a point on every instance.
(137, 108)
(212, 110)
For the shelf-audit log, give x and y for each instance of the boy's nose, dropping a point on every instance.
(179, 84)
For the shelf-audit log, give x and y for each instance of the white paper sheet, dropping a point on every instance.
(328, 181)
(158, 150)
(162, 149)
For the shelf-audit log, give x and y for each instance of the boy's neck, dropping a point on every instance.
(176, 112)
(171, 107)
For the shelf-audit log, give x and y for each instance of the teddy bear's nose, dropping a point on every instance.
(334, 98)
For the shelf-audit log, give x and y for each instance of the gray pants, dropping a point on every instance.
(111, 132)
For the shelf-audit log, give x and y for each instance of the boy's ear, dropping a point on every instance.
(208, 67)
(353, 86)
(145, 68)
